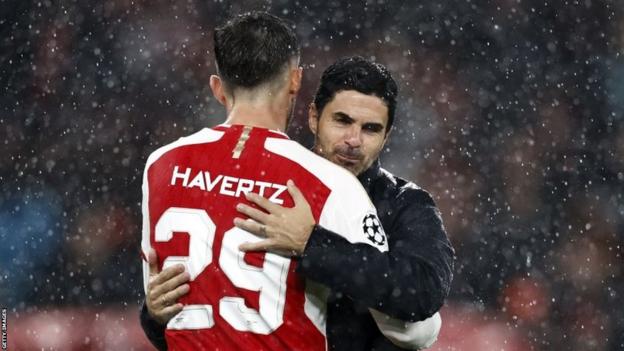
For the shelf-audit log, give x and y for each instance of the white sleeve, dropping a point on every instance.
(145, 232)
(349, 212)
(412, 336)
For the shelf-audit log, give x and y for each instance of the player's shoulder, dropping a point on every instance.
(330, 174)
(206, 135)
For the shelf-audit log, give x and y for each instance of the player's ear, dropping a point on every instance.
(313, 118)
(216, 85)
(296, 74)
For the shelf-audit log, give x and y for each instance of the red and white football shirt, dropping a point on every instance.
(242, 301)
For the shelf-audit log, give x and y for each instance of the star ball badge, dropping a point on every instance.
(373, 230)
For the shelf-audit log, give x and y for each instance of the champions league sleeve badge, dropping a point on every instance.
(373, 230)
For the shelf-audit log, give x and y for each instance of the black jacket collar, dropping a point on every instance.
(368, 177)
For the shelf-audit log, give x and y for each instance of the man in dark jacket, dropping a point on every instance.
(351, 117)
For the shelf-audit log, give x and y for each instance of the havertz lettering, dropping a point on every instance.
(225, 184)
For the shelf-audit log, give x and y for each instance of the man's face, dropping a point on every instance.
(351, 130)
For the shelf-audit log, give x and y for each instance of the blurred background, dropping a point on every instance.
(510, 114)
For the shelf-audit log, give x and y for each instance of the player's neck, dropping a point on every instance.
(263, 115)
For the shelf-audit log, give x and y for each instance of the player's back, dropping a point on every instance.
(237, 300)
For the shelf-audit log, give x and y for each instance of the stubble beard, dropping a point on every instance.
(329, 156)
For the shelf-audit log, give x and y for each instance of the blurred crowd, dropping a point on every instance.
(510, 113)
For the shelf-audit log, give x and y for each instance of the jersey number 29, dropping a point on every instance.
(269, 281)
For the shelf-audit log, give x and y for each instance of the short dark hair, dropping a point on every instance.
(252, 48)
(359, 74)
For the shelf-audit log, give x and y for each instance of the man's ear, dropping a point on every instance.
(296, 74)
(387, 135)
(313, 118)
(216, 85)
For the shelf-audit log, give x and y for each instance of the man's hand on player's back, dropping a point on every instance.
(285, 230)
(164, 289)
